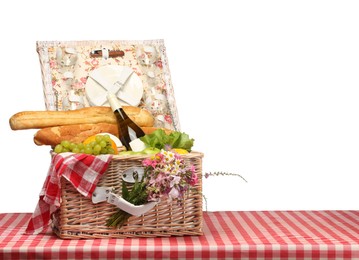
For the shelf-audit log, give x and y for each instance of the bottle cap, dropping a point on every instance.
(113, 100)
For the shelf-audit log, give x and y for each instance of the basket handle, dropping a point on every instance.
(102, 194)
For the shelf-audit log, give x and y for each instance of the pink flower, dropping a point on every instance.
(167, 147)
(159, 157)
(173, 194)
(194, 179)
(160, 178)
(178, 157)
(147, 162)
(176, 180)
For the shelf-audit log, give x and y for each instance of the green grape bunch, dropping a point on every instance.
(99, 144)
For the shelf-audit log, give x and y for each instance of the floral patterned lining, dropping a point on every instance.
(65, 67)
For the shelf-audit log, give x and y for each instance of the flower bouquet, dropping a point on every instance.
(166, 176)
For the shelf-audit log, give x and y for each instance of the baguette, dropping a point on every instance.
(88, 115)
(78, 133)
(73, 133)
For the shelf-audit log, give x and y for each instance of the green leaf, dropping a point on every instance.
(181, 140)
(125, 192)
(175, 139)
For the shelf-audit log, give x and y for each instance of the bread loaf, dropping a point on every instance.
(78, 133)
(88, 115)
(74, 133)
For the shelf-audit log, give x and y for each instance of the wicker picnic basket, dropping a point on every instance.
(79, 218)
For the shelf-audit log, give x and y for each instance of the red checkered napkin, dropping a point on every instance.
(82, 170)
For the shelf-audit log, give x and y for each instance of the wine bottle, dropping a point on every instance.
(127, 129)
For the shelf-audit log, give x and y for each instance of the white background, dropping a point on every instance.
(269, 90)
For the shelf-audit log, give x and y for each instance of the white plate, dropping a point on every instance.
(130, 94)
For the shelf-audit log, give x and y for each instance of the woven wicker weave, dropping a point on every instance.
(79, 218)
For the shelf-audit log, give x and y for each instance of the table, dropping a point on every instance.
(227, 235)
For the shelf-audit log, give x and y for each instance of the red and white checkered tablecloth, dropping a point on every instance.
(227, 235)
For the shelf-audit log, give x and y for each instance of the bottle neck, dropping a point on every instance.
(114, 102)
